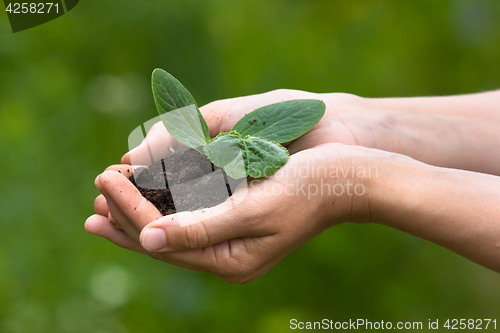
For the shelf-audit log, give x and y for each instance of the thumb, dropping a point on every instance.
(199, 229)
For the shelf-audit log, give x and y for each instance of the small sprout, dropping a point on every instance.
(246, 150)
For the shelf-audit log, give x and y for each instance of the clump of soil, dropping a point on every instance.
(188, 177)
(160, 198)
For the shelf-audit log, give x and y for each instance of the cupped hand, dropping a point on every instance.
(255, 234)
(348, 119)
(276, 215)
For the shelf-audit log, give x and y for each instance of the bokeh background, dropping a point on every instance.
(73, 89)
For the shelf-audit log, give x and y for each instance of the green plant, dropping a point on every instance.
(252, 147)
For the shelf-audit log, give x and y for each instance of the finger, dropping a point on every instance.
(123, 223)
(100, 205)
(215, 114)
(157, 144)
(126, 159)
(236, 260)
(116, 218)
(99, 225)
(126, 204)
(113, 222)
(199, 229)
(124, 169)
(222, 115)
(196, 260)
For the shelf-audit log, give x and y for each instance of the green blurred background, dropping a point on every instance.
(73, 89)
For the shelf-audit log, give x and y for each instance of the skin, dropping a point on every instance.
(414, 146)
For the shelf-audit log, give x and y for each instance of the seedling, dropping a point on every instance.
(253, 146)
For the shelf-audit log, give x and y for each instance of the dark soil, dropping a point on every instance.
(187, 178)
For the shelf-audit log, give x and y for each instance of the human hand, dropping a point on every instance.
(278, 214)
(222, 115)
(394, 125)
(451, 131)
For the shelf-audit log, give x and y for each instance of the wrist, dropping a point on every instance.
(354, 172)
(441, 131)
(374, 123)
(407, 129)
(400, 191)
(376, 184)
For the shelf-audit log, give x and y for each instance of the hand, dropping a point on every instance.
(396, 125)
(343, 110)
(278, 215)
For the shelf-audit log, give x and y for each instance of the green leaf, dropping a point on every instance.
(227, 151)
(264, 156)
(282, 122)
(252, 156)
(178, 110)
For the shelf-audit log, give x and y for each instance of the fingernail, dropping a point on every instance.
(97, 183)
(154, 239)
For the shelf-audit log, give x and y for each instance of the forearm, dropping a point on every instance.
(453, 131)
(458, 210)
(485, 105)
